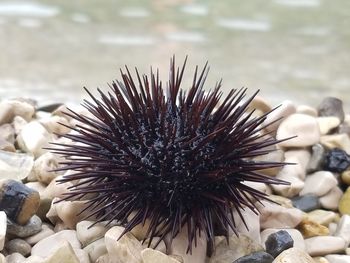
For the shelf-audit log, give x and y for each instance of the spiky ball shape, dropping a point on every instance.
(172, 157)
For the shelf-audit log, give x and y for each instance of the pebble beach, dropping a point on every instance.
(308, 220)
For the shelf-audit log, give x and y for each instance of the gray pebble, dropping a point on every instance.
(32, 227)
(306, 203)
(278, 242)
(256, 257)
(317, 158)
(18, 246)
(331, 106)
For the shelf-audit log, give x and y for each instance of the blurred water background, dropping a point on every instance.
(289, 49)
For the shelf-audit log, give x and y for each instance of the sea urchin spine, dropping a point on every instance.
(172, 157)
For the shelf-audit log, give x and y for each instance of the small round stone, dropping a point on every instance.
(278, 242)
(306, 203)
(19, 246)
(336, 160)
(331, 106)
(32, 227)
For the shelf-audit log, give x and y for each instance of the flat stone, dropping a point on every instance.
(317, 158)
(310, 228)
(44, 166)
(88, 233)
(149, 255)
(126, 249)
(63, 253)
(322, 217)
(343, 229)
(278, 242)
(256, 257)
(293, 255)
(338, 258)
(306, 203)
(48, 245)
(296, 125)
(331, 106)
(281, 200)
(285, 109)
(18, 246)
(327, 124)
(3, 227)
(298, 240)
(331, 199)
(319, 183)
(32, 227)
(16, 166)
(324, 245)
(96, 249)
(344, 203)
(341, 141)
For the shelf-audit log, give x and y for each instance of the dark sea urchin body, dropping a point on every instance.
(174, 158)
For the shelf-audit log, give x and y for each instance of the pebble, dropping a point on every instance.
(293, 188)
(345, 177)
(306, 109)
(306, 203)
(319, 183)
(15, 258)
(336, 160)
(48, 245)
(322, 217)
(344, 128)
(327, 124)
(310, 228)
(274, 156)
(63, 253)
(296, 125)
(341, 141)
(251, 226)
(149, 255)
(236, 248)
(344, 203)
(293, 255)
(275, 216)
(6, 146)
(33, 138)
(261, 104)
(2, 258)
(87, 233)
(343, 229)
(96, 249)
(44, 166)
(331, 199)
(11, 108)
(55, 189)
(283, 111)
(338, 258)
(256, 257)
(331, 106)
(16, 166)
(32, 227)
(320, 260)
(44, 233)
(7, 132)
(18, 246)
(82, 255)
(51, 107)
(278, 242)
(300, 157)
(317, 157)
(56, 124)
(298, 240)
(324, 245)
(3, 227)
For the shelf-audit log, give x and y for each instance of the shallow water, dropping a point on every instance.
(289, 49)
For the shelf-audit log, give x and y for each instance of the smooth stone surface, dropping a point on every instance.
(87, 233)
(293, 255)
(261, 104)
(278, 242)
(237, 248)
(7, 132)
(82, 255)
(301, 157)
(344, 203)
(6, 146)
(2, 258)
(11, 108)
(320, 260)
(294, 187)
(52, 124)
(126, 249)
(96, 249)
(327, 124)
(331, 199)
(341, 141)
(322, 217)
(303, 126)
(345, 177)
(343, 229)
(275, 216)
(18, 246)
(55, 189)
(338, 258)
(275, 156)
(285, 109)
(298, 240)
(306, 203)
(44, 166)
(3, 227)
(319, 183)
(256, 257)
(16, 166)
(317, 157)
(63, 253)
(310, 228)
(15, 258)
(44, 233)
(308, 110)
(331, 106)
(48, 245)
(149, 255)
(32, 227)
(324, 245)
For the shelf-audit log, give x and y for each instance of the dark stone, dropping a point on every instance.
(331, 106)
(256, 257)
(317, 158)
(306, 203)
(278, 242)
(50, 107)
(336, 160)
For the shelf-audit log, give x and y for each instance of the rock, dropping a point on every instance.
(180, 243)
(305, 109)
(320, 260)
(88, 233)
(16, 166)
(336, 160)
(251, 226)
(344, 203)
(18, 124)
(2, 258)
(44, 233)
(7, 132)
(341, 141)
(37, 186)
(296, 125)
(236, 248)
(6, 146)
(278, 242)
(126, 249)
(306, 203)
(82, 255)
(343, 229)
(96, 249)
(332, 227)
(311, 228)
(61, 111)
(48, 245)
(18, 246)
(3, 227)
(279, 114)
(33, 138)
(300, 156)
(256, 257)
(293, 255)
(338, 258)
(11, 108)
(18, 201)
(44, 166)
(274, 156)
(317, 158)
(149, 255)
(63, 253)
(32, 227)
(55, 189)
(319, 183)
(298, 240)
(283, 201)
(275, 216)
(56, 124)
(324, 245)
(290, 190)
(331, 106)
(261, 104)
(327, 124)
(322, 217)
(331, 199)
(15, 258)
(103, 259)
(345, 177)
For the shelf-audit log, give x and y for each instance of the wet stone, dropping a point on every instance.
(331, 106)
(278, 242)
(336, 160)
(256, 257)
(306, 203)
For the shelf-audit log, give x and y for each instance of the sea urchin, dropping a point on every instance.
(171, 157)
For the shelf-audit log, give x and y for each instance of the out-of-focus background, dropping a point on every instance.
(290, 49)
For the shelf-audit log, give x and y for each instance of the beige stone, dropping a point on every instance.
(82, 255)
(63, 253)
(15, 258)
(310, 228)
(345, 177)
(55, 189)
(11, 108)
(324, 245)
(327, 124)
(96, 249)
(320, 260)
(343, 229)
(331, 199)
(319, 183)
(293, 255)
(88, 233)
(261, 104)
(44, 233)
(285, 109)
(308, 110)
(151, 256)
(344, 203)
(338, 258)
(44, 166)
(341, 141)
(322, 217)
(56, 124)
